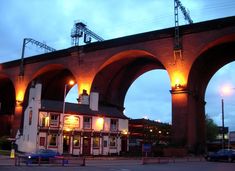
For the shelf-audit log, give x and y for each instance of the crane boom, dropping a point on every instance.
(79, 29)
(183, 10)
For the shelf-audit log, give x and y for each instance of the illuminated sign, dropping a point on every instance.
(71, 122)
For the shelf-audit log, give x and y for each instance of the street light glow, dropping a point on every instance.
(226, 90)
(71, 82)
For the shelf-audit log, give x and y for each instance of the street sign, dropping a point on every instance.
(146, 148)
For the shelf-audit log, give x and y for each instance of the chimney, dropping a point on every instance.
(94, 101)
(83, 98)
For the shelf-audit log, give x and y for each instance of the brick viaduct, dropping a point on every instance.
(110, 67)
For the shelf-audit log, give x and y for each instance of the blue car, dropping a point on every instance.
(221, 155)
(42, 154)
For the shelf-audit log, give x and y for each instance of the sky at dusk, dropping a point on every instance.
(51, 21)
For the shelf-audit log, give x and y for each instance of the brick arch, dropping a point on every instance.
(207, 64)
(202, 70)
(117, 74)
(53, 78)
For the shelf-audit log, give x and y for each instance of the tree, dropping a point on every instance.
(212, 130)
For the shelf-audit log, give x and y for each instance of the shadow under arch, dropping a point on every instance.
(7, 104)
(7, 96)
(207, 64)
(53, 78)
(202, 70)
(117, 74)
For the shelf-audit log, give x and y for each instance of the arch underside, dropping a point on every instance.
(207, 65)
(203, 69)
(53, 82)
(113, 81)
(7, 105)
(7, 96)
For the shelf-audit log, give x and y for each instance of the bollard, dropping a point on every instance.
(39, 161)
(16, 160)
(83, 162)
(173, 159)
(143, 161)
(12, 155)
(63, 161)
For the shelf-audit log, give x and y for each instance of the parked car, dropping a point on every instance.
(221, 155)
(42, 154)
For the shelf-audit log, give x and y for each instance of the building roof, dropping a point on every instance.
(147, 122)
(74, 108)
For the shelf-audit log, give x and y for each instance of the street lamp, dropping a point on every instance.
(222, 107)
(226, 90)
(71, 82)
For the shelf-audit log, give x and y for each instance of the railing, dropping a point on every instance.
(58, 160)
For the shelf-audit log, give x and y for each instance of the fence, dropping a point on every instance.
(152, 160)
(60, 160)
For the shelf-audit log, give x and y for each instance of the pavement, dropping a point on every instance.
(123, 164)
(6, 160)
(110, 161)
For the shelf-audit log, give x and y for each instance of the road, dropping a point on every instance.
(130, 165)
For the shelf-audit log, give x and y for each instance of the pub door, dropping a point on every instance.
(124, 145)
(66, 144)
(86, 148)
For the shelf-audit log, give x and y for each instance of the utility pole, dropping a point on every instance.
(35, 42)
(223, 137)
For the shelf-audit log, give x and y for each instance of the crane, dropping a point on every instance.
(80, 30)
(177, 42)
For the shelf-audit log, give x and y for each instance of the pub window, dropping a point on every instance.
(113, 125)
(44, 120)
(96, 142)
(112, 142)
(87, 122)
(30, 117)
(76, 141)
(54, 120)
(53, 140)
(42, 141)
(105, 143)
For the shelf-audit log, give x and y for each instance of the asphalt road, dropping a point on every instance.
(130, 165)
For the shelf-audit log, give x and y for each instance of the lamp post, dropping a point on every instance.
(222, 107)
(71, 82)
(226, 90)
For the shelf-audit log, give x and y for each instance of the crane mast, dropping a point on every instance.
(177, 41)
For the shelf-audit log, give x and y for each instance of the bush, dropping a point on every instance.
(5, 144)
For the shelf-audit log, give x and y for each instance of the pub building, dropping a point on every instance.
(69, 128)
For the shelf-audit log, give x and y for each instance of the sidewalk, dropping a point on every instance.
(6, 161)
(92, 161)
